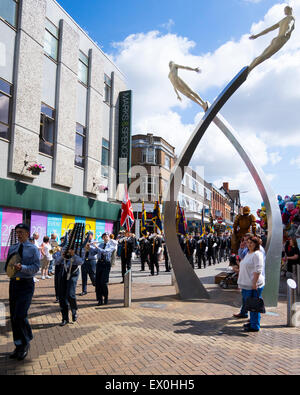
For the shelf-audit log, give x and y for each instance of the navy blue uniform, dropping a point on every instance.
(21, 290)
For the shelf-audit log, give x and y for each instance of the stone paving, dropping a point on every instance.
(158, 335)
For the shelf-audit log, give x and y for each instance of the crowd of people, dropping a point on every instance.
(95, 258)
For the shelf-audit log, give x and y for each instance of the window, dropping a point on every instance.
(107, 89)
(194, 185)
(80, 145)
(47, 130)
(148, 155)
(8, 11)
(83, 68)
(5, 104)
(167, 162)
(150, 186)
(51, 40)
(105, 158)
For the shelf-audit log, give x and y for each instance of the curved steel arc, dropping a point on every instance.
(189, 285)
(274, 242)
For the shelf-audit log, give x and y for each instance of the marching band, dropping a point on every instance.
(95, 260)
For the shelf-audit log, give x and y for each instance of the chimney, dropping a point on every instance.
(226, 186)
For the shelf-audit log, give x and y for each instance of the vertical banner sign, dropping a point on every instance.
(39, 224)
(54, 225)
(10, 218)
(124, 136)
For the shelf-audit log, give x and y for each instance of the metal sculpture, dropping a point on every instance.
(189, 285)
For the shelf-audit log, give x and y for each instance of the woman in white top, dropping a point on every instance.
(46, 256)
(251, 279)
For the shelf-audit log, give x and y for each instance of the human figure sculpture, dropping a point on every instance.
(286, 27)
(244, 223)
(181, 86)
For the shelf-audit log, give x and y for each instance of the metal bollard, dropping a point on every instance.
(127, 288)
(291, 302)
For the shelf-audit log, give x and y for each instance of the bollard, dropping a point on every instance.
(127, 288)
(291, 302)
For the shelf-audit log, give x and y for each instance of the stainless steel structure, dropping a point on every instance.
(189, 285)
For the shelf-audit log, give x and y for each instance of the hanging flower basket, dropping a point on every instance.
(36, 169)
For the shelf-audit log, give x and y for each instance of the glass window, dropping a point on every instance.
(47, 127)
(5, 104)
(167, 162)
(107, 89)
(8, 11)
(80, 145)
(83, 68)
(51, 40)
(105, 158)
(148, 155)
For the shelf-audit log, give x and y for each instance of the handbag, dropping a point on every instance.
(255, 305)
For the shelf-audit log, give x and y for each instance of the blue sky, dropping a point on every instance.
(213, 35)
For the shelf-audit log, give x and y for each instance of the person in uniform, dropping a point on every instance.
(89, 265)
(222, 248)
(217, 247)
(211, 249)
(57, 269)
(104, 252)
(200, 252)
(127, 247)
(144, 251)
(21, 290)
(189, 249)
(155, 250)
(69, 273)
(166, 255)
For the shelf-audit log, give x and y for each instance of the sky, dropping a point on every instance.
(142, 36)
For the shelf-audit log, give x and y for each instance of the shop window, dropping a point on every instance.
(47, 127)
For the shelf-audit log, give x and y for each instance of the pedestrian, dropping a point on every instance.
(45, 261)
(144, 251)
(292, 256)
(200, 251)
(69, 273)
(21, 290)
(53, 242)
(251, 279)
(189, 249)
(114, 253)
(103, 251)
(89, 263)
(127, 247)
(155, 250)
(35, 237)
(57, 268)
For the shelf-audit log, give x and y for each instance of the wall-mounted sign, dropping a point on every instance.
(125, 100)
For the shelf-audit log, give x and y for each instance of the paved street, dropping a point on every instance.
(159, 334)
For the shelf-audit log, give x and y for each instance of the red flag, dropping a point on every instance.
(127, 217)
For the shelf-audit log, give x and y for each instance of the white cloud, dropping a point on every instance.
(264, 111)
(296, 161)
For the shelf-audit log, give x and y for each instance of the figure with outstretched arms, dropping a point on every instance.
(181, 86)
(286, 27)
